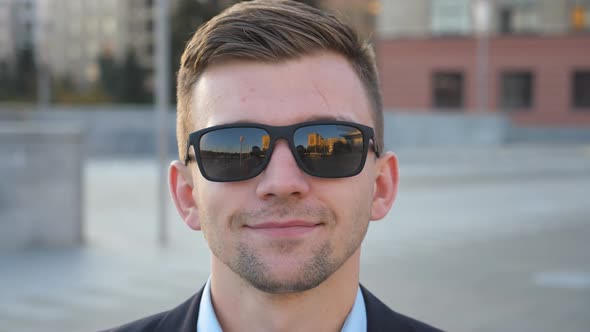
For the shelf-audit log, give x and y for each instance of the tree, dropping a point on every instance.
(6, 82)
(132, 81)
(108, 73)
(186, 18)
(25, 81)
(124, 83)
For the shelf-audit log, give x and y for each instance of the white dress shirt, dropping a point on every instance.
(356, 321)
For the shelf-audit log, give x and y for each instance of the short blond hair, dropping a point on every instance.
(271, 31)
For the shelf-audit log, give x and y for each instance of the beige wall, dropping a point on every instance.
(81, 30)
(78, 32)
(402, 18)
(359, 13)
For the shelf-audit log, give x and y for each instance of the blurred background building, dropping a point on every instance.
(7, 53)
(106, 43)
(18, 29)
(17, 25)
(500, 228)
(524, 58)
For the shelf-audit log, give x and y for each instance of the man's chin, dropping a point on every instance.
(284, 273)
(284, 285)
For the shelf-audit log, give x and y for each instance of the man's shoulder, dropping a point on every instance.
(382, 318)
(145, 324)
(182, 318)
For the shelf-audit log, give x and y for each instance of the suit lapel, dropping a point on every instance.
(380, 317)
(184, 317)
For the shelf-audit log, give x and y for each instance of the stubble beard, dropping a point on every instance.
(323, 262)
(249, 267)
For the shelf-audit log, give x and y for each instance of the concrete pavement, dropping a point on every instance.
(478, 240)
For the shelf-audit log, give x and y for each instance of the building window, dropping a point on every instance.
(447, 90)
(581, 89)
(518, 17)
(109, 27)
(579, 17)
(92, 48)
(149, 25)
(149, 49)
(3, 70)
(516, 90)
(450, 17)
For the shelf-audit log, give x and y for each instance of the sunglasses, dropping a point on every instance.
(325, 149)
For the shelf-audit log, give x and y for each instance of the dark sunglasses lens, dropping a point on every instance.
(330, 150)
(233, 154)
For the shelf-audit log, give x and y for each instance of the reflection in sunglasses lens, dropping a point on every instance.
(230, 154)
(329, 150)
(233, 153)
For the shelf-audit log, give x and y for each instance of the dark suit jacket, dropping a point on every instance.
(184, 318)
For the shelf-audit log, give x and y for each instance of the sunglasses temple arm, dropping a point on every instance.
(186, 158)
(376, 148)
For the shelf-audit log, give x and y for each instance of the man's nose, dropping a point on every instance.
(282, 176)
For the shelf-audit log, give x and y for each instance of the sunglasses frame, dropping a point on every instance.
(281, 132)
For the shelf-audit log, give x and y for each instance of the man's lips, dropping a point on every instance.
(286, 228)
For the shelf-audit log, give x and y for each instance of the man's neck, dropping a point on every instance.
(324, 308)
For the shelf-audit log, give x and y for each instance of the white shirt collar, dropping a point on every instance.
(357, 318)
(356, 321)
(207, 320)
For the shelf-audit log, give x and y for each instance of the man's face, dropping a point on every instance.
(284, 230)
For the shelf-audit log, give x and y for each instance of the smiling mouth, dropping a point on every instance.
(284, 229)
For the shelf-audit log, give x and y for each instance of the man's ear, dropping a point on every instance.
(386, 181)
(181, 189)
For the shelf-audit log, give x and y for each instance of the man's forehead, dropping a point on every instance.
(337, 117)
(319, 86)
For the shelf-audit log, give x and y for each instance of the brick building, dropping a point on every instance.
(529, 59)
